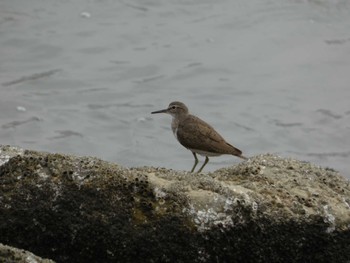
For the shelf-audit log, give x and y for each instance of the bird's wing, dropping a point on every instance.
(194, 133)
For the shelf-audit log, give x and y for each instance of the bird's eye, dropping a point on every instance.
(173, 107)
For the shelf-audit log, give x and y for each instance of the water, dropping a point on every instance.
(82, 76)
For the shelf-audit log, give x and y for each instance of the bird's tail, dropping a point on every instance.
(237, 152)
(243, 157)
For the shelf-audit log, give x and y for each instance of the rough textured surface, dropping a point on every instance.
(82, 209)
(14, 255)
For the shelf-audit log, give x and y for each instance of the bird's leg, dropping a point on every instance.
(205, 162)
(195, 161)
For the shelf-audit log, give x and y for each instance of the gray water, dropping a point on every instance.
(82, 76)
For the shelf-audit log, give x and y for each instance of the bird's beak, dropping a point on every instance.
(160, 111)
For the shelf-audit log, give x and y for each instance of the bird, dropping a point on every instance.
(196, 135)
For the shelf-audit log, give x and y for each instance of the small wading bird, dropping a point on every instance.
(197, 135)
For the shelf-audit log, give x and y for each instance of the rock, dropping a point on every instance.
(82, 209)
(14, 255)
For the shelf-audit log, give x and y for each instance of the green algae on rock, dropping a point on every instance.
(82, 209)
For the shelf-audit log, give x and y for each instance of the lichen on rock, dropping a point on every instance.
(82, 209)
(14, 255)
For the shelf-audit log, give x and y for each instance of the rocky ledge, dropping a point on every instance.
(82, 209)
(14, 255)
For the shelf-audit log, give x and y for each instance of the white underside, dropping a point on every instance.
(204, 153)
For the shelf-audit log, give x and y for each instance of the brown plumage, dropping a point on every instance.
(197, 135)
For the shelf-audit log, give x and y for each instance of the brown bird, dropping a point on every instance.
(197, 135)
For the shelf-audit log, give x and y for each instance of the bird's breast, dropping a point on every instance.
(175, 133)
(174, 127)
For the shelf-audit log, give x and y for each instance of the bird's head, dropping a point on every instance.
(175, 109)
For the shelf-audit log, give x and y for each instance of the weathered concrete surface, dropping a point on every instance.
(82, 209)
(14, 255)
